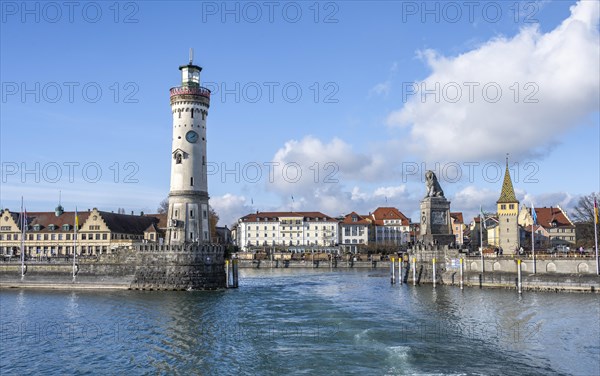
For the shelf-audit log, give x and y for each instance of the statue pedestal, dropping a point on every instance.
(436, 227)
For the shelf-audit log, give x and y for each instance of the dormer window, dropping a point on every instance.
(37, 227)
(52, 227)
(66, 227)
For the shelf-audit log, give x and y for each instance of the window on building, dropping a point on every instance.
(511, 206)
(192, 181)
(503, 207)
(45, 236)
(53, 236)
(104, 236)
(68, 237)
(191, 214)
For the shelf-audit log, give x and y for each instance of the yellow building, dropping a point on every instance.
(50, 234)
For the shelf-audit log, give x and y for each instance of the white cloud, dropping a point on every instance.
(230, 208)
(560, 69)
(311, 164)
(563, 199)
(381, 89)
(471, 198)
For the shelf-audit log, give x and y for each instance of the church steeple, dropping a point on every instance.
(507, 195)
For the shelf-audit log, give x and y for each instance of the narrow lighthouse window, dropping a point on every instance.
(192, 181)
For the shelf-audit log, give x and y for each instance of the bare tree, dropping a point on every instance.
(163, 207)
(584, 210)
(583, 216)
(213, 219)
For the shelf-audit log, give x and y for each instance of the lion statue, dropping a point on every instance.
(432, 184)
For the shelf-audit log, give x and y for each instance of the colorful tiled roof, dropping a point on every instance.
(508, 193)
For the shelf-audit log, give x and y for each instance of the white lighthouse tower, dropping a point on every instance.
(188, 195)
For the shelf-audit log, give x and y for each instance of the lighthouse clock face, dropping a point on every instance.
(191, 136)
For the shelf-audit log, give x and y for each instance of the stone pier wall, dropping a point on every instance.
(573, 274)
(145, 267)
(198, 268)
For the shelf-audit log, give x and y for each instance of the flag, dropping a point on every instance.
(596, 211)
(533, 214)
(76, 219)
(482, 217)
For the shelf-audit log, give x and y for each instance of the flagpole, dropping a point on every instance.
(533, 221)
(481, 241)
(75, 242)
(596, 235)
(23, 224)
(533, 247)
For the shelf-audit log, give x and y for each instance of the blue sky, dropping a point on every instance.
(327, 94)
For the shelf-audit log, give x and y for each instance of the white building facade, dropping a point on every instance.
(391, 226)
(355, 232)
(291, 230)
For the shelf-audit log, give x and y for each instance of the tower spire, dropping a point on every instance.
(508, 192)
(191, 56)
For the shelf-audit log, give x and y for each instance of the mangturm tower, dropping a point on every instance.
(188, 195)
(508, 212)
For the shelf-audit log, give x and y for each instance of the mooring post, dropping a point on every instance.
(392, 271)
(226, 274)
(400, 274)
(414, 268)
(235, 273)
(462, 278)
(519, 283)
(434, 272)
